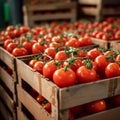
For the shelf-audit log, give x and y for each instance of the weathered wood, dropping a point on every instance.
(115, 46)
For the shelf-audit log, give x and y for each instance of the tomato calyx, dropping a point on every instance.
(88, 63)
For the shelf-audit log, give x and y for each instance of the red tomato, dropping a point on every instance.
(38, 66)
(28, 46)
(85, 41)
(37, 48)
(40, 99)
(116, 100)
(93, 53)
(48, 69)
(73, 42)
(61, 55)
(112, 70)
(32, 62)
(64, 78)
(50, 51)
(71, 116)
(24, 29)
(117, 58)
(85, 75)
(47, 107)
(19, 52)
(96, 106)
(7, 42)
(82, 53)
(101, 64)
(11, 46)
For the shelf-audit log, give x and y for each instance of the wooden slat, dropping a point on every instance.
(38, 82)
(21, 115)
(89, 2)
(112, 114)
(115, 46)
(5, 113)
(7, 99)
(85, 93)
(7, 58)
(7, 80)
(32, 105)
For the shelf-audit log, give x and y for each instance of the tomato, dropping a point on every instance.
(96, 106)
(50, 51)
(64, 78)
(71, 116)
(40, 99)
(32, 62)
(93, 53)
(47, 107)
(117, 35)
(116, 100)
(49, 68)
(37, 48)
(38, 66)
(24, 29)
(61, 55)
(107, 36)
(85, 41)
(7, 42)
(73, 42)
(19, 52)
(82, 53)
(16, 33)
(55, 44)
(10, 28)
(99, 35)
(112, 70)
(85, 75)
(28, 46)
(117, 58)
(101, 64)
(11, 46)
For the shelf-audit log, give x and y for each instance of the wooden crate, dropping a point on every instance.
(115, 46)
(104, 43)
(34, 14)
(99, 8)
(60, 98)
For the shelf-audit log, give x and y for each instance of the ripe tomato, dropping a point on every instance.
(96, 106)
(49, 68)
(101, 64)
(93, 53)
(19, 52)
(37, 48)
(11, 46)
(116, 100)
(85, 75)
(38, 66)
(112, 70)
(64, 78)
(73, 42)
(61, 55)
(7, 42)
(71, 116)
(117, 58)
(24, 29)
(32, 62)
(50, 51)
(82, 53)
(47, 107)
(40, 99)
(85, 41)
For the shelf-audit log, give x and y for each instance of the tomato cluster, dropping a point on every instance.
(71, 66)
(94, 107)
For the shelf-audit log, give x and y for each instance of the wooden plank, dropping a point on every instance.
(112, 114)
(7, 99)
(115, 46)
(7, 80)
(7, 58)
(89, 2)
(38, 82)
(5, 113)
(110, 11)
(21, 115)
(32, 105)
(88, 92)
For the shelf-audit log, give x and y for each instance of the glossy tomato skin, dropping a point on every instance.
(38, 66)
(10, 47)
(49, 68)
(85, 75)
(85, 41)
(96, 106)
(40, 99)
(7, 42)
(19, 52)
(64, 78)
(61, 55)
(32, 62)
(112, 70)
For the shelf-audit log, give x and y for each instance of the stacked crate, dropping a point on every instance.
(8, 79)
(45, 13)
(98, 9)
(61, 99)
